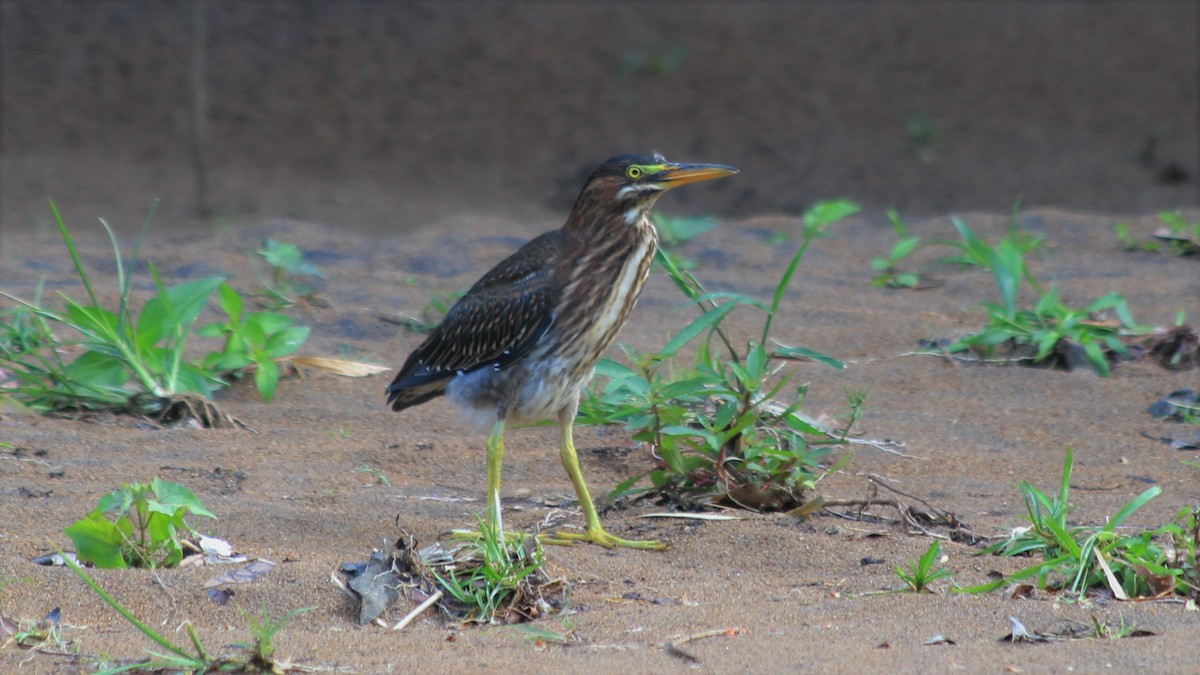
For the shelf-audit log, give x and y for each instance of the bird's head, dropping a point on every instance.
(630, 184)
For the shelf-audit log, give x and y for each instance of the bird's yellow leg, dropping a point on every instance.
(495, 459)
(495, 453)
(595, 531)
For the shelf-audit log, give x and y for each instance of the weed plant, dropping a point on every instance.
(177, 658)
(1051, 330)
(926, 570)
(1080, 558)
(968, 252)
(134, 360)
(716, 426)
(292, 279)
(502, 570)
(258, 339)
(1179, 236)
(139, 525)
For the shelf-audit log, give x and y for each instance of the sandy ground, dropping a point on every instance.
(291, 490)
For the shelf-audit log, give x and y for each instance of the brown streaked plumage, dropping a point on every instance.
(522, 342)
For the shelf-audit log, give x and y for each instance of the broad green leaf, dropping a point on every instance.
(287, 341)
(268, 322)
(153, 324)
(98, 541)
(171, 497)
(606, 367)
(185, 301)
(904, 247)
(824, 213)
(97, 370)
(266, 379)
(116, 502)
(230, 302)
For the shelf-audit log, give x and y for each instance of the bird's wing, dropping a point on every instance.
(497, 322)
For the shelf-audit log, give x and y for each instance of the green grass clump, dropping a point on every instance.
(1049, 331)
(1081, 558)
(139, 525)
(716, 426)
(926, 570)
(1179, 236)
(496, 573)
(968, 252)
(134, 359)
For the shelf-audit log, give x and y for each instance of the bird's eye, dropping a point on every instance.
(634, 172)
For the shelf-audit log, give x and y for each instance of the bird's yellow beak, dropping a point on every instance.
(675, 175)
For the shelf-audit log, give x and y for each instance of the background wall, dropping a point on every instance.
(384, 116)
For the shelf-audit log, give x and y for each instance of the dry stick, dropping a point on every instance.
(429, 602)
(676, 648)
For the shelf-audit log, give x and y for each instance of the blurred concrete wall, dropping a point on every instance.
(392, 115)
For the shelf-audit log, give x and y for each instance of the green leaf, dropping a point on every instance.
(286, 341)
(266, 378)
(171, 497)
(152, 325)
(611, 369)
(98, 371)
(702, 323)
(230, 302)
(904, 247)
(186, 300)
(824, 213)
(806, 353)
(98, 541)
(268, 322)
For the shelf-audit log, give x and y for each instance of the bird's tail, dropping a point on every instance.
(401, 395)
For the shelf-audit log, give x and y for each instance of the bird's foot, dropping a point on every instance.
(599, 536)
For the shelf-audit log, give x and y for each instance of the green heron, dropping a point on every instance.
(522, 343)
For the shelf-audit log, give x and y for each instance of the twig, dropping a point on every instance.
(408, 618)
(676, 648)
(883, 445)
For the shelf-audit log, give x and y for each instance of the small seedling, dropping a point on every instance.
(1103, 630)
(254, 339)
(926, 570)
(290, 275)
(890, 274)
(262, 647)
(139, 525)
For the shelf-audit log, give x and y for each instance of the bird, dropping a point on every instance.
(521, 344)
